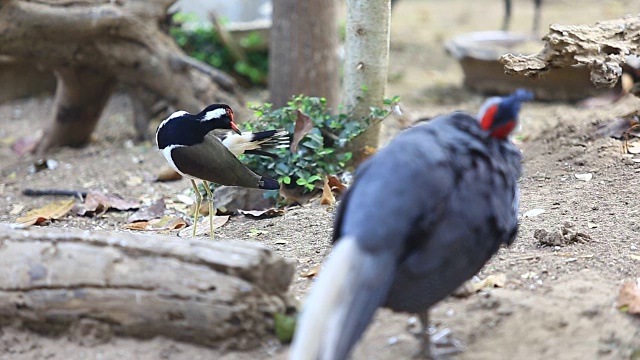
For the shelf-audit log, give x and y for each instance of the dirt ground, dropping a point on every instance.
(558, 302)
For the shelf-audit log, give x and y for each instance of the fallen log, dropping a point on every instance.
(222, 294)
(601, 47)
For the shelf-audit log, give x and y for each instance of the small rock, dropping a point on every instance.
(564, 235)
(584, 177)
(533, 213)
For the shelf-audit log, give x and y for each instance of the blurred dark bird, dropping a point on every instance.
(423, 215)
(191, 147)
(506, 20)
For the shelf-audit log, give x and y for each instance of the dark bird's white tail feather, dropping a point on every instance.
(351, 286)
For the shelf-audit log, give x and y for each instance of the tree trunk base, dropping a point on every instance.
(92, 45)
(221, 294)
(81, 95)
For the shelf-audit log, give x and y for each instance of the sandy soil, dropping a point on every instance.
(558, 302)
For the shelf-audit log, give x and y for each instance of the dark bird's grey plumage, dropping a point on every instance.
(423, 215)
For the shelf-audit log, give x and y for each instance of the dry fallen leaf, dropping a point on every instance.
(203, 227)
(634, 148)
(97, 203)
(16, 209)
(164, 223)
(304, 125)
(629, 297)
(471, 287)
(25, 145)
(336, 185)
(7, 141)
(168, 174)
(133, 181)
(168, 223)
(54, 210)
(327, 195)
(154, 211)
(138, 225)
(491, 281)
(311, 272)
(185, 199)
(368, 151)
(262, 214)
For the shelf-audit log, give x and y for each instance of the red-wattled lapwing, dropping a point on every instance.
(190, 146)
(450, 188)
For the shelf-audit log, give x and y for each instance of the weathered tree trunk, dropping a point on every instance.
(119, 42)
(221, 294)
(81, 95)
(366, 64)
(302, 51)
(602, 47)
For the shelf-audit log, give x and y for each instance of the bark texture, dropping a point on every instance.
(602, 47)
(93, 44)
(303, 51)
(221, 294)
(366, 63)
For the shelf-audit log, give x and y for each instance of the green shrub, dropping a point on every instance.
(204, 44)
(321, 152)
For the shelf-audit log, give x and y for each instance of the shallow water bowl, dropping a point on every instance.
(478, 54)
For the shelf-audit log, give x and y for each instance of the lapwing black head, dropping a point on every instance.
(192, 149)
(184, 129)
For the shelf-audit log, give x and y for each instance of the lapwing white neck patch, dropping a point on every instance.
(167, 155)
(214, 114)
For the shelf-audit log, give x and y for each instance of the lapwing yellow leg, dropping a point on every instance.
(196, 213)
(211, 209)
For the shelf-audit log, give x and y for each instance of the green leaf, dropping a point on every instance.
(285, 326)
(319, 152)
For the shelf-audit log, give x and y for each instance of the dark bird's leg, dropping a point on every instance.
(196, 213)
(506, 21)
(438, 345)
(536, 17)
(211, 210)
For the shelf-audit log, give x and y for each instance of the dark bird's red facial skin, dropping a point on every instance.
(487, 118)
(501, 131)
